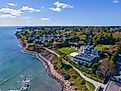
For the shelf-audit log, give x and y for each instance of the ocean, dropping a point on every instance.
(16, 66)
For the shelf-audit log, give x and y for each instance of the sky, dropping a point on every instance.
(60, 12)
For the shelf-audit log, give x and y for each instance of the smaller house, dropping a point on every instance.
(37, 41)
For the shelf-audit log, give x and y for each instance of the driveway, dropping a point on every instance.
(115, 84)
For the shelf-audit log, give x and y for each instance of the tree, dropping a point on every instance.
(104, 38)
(67, 77)
(95, 67)
(119, 47)
(107, 67)
(115, 56)
(111, 67)
(30, 47)
(83, 38)
(66, 66)
(82, 82)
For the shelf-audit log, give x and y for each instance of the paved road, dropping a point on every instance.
(115, 84)
(96, 84)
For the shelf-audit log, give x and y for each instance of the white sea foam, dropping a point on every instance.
(21, 76)
(15, 90)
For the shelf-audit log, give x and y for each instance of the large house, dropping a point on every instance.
(86, 55)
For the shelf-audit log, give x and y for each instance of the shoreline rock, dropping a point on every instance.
(50, 69)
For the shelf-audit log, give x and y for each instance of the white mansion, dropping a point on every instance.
(86, 55)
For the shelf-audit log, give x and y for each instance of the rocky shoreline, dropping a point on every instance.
(51, 71)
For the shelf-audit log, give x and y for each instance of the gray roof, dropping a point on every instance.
(89, 53)
(87, 57)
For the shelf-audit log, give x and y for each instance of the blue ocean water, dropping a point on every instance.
(16, 66)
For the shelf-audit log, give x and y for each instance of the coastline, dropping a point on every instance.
(65, 84)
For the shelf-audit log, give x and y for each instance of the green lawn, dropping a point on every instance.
(67, 50)
(102, 47)
(107, 48)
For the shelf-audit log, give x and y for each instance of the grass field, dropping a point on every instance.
(102, 47)
(108, 48)
(67, 50)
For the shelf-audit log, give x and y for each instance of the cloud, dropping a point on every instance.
(29, 9)
(115, 1)
(25, 17)
(11, 4)
(60, 6)
(57, 9)
(12, 12)
(6, 16)
(45, 19)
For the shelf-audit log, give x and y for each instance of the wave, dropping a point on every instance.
(21, 88)
(15, 90)
(7, 79)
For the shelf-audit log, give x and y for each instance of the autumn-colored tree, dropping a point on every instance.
(107, 67)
